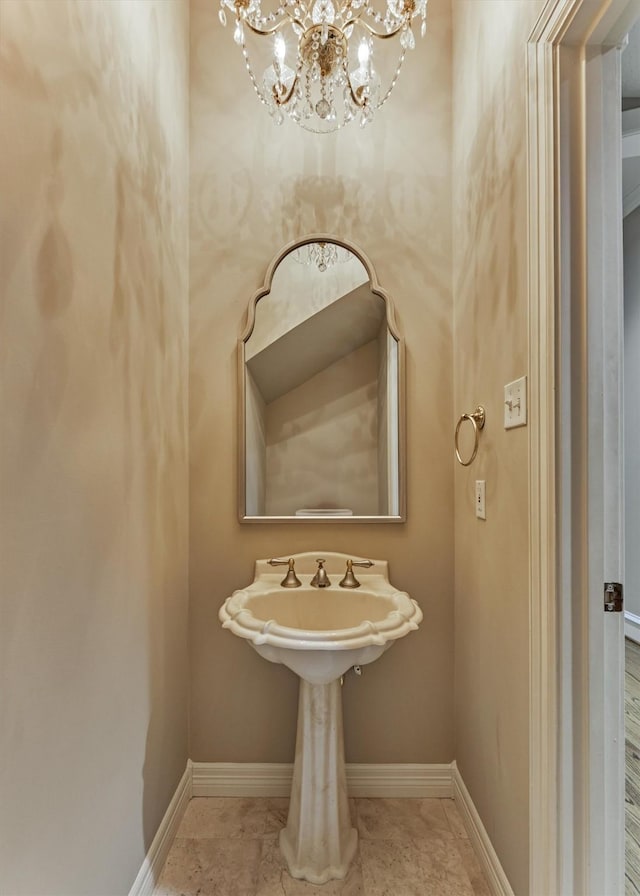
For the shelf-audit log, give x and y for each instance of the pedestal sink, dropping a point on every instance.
(320, 633)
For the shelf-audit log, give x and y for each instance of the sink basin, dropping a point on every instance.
(319, 633)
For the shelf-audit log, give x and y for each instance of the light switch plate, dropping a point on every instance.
(481, 511)
(515, 403)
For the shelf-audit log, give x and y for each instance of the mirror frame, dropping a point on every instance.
(260, 293)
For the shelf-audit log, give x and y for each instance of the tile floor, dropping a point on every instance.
(407, 847)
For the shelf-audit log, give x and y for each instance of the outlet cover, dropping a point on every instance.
(515, 403)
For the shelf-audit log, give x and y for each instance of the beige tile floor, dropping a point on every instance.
(407, 847)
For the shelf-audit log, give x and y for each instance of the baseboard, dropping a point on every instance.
(363, 780)
(274, 779)
(632, 626)
(399, 780)
(158, 851)
(242, 778)
(496, 878)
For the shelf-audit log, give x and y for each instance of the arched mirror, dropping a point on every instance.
(321, 388)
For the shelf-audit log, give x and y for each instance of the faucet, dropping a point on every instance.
(321, 579)
(350, 580)
(291, 580)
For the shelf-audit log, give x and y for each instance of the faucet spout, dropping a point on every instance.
(321, 579)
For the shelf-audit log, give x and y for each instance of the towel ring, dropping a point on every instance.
(477, 421)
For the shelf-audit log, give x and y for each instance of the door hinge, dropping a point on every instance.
(612, 597)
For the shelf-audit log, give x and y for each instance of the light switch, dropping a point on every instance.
(515, 403)
(481, 512)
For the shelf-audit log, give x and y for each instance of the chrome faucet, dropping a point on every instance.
(291, 580)
(321, 579)
(350, 580)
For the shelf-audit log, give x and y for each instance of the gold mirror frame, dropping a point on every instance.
(263, 291)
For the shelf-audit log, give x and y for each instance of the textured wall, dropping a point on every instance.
(322, 439)
(93, 279)
(631, 418)
(490, 338)
(387, 188)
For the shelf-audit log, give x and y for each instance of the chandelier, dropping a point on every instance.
(323, 255)
(318, 66)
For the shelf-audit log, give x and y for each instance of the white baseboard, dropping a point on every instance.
(274, 779)
(632, 626)
(242, 778)
(399, 780)
(496, 878)
(159, 850)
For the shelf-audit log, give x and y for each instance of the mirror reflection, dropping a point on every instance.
(320, 372)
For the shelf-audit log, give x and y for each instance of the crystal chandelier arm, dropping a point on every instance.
(262, 32)
(321, 88)
(265, 32)
(372, 31)
(357, 96)
(355, 20)
(279, 98)
(282, 99)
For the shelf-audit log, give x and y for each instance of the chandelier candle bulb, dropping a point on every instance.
(363, 54)
(280, 48)
(331, 77)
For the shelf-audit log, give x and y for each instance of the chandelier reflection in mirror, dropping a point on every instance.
(323, 255)
(317, 63)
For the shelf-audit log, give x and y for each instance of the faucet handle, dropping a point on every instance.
(321, 579)
(350, 580)
(291, 580)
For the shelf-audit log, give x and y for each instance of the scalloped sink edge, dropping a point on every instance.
(319, 633)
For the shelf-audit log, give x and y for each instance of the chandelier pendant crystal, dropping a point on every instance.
(321, 254)
(318, 64)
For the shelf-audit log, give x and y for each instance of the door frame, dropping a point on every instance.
(575, 445)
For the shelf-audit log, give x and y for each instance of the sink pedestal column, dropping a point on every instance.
(318, 842)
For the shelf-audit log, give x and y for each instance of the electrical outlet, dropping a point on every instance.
(515, 403)
(481, 511)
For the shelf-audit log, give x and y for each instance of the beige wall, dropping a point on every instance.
(93, 729)
(387, 188)
(490, 338)
(322, 440)
(93, 279)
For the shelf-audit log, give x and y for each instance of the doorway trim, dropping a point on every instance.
(564, 822)
(543, 653)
